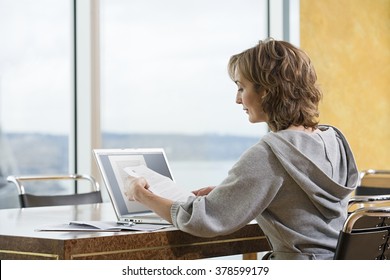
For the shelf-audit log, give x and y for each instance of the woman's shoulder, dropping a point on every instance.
(258, 150)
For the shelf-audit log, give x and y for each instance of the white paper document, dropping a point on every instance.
(100, 226)
(159, 184)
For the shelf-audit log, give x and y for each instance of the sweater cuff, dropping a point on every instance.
(174, 209)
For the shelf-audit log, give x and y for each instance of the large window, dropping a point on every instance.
(36, 60)
(164, 81)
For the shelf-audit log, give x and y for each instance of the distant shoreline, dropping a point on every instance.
(37, 153)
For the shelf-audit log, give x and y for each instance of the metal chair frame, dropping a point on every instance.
(30, 200)
(369, 240)
(363, 200)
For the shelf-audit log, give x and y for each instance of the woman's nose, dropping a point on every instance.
(238, 98)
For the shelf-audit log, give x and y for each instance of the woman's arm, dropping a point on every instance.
(137, 189)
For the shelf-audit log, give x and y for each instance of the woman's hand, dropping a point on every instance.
(138, 189)
(203, 191)
(134, 186)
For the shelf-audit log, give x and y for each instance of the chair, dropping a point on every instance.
(365, 201)
(31, 200)
(374, 182)
(367, 240)
(373, 188)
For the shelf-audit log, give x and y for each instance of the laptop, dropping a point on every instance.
(112, 164)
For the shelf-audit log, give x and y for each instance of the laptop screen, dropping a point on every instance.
(112, 163)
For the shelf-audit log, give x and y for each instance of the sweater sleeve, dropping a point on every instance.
(248, 189)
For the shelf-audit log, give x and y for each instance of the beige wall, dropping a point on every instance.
(349, 44)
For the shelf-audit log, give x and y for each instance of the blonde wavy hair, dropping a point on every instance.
(288, 78)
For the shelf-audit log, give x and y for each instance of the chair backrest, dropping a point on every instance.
(373, 188)
(32, 200)
(365, 201)
(365, 235)
(374, 182)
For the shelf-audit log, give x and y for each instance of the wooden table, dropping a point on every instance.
(20, 240)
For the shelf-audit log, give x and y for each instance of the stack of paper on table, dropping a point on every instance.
(99, 226)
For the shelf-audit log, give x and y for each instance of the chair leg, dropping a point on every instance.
(266, 255)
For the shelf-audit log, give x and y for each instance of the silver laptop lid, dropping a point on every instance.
(111, 163)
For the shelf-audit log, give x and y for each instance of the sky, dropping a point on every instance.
(163, 65)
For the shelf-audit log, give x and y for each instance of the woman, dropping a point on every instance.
(294, 182)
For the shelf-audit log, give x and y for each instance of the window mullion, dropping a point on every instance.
(87, 86)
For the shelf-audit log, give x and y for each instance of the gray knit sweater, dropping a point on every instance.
(294, 184)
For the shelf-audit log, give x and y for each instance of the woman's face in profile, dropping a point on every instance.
(249, 99)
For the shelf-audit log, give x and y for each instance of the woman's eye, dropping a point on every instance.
(240, 89)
